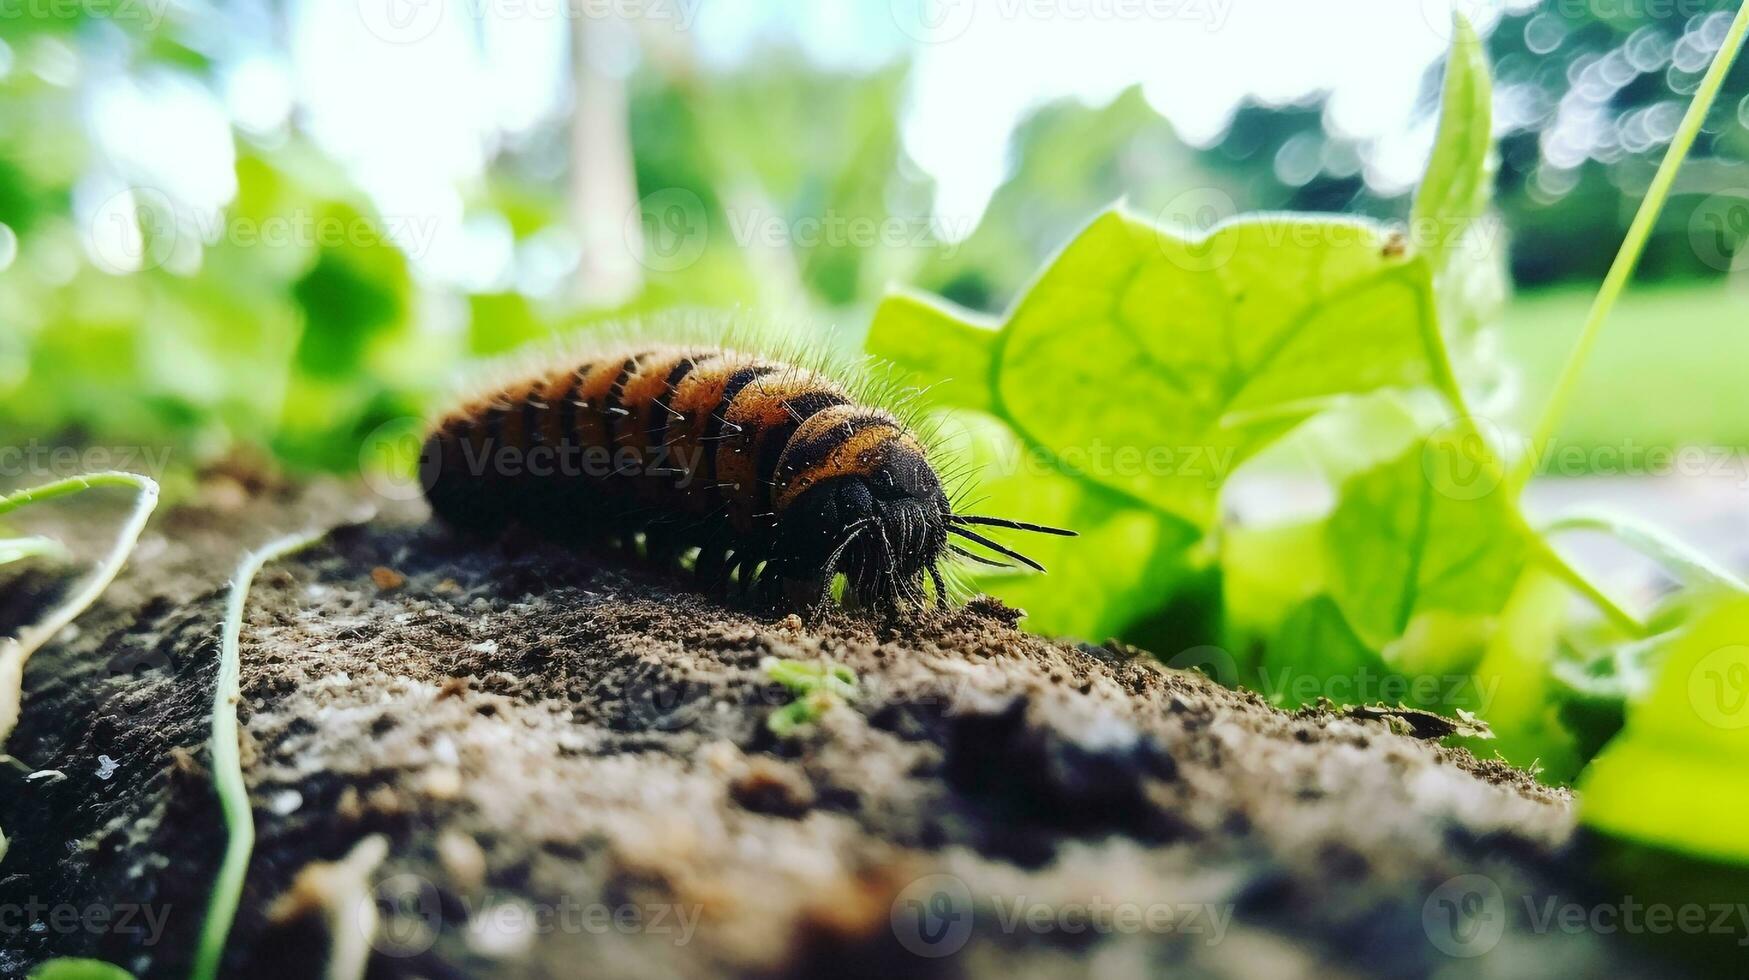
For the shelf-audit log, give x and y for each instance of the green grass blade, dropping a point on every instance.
(15, 652)
(227, 762)
(1638, 232)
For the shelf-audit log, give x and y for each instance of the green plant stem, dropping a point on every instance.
(1446, 381)
(1631, 248)
(1690, 566)
(227, 762)
(15, 652)
(1546, 555)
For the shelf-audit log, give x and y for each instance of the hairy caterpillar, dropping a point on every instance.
(774, 473)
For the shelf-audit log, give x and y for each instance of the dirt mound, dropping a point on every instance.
(569, 768)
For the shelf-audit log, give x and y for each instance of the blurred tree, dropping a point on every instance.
(1587, 97)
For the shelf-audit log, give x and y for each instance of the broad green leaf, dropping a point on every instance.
(1314, 654)
(1139, 344)
(937, 346)
(1674, 777)
(1256, 593)
(1427, 532)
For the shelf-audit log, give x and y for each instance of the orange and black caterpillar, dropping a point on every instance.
(769, 472)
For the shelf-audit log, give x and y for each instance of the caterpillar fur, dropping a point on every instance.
(765, 473)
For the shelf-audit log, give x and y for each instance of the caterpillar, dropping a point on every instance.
(761, 471)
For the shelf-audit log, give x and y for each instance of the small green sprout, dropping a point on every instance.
(818, 686)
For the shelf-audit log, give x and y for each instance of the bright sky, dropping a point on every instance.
(985, 63)
(416, 95)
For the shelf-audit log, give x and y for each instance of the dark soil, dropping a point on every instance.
(570, 771)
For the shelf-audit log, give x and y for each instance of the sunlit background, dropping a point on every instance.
(279, 224)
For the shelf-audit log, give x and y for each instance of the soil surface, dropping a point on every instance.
(513, 760)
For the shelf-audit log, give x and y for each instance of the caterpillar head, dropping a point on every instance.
(860, 496)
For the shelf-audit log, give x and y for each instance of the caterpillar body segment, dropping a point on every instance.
(769, 473)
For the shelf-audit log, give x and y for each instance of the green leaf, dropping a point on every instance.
(1409, 537)
(68, 968)
(1313, 648)
(1674, 777)
(1515, 682)
(1449, 221)
(1458, 183)
(935, 345)
(1151, 363)
(358, 289)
